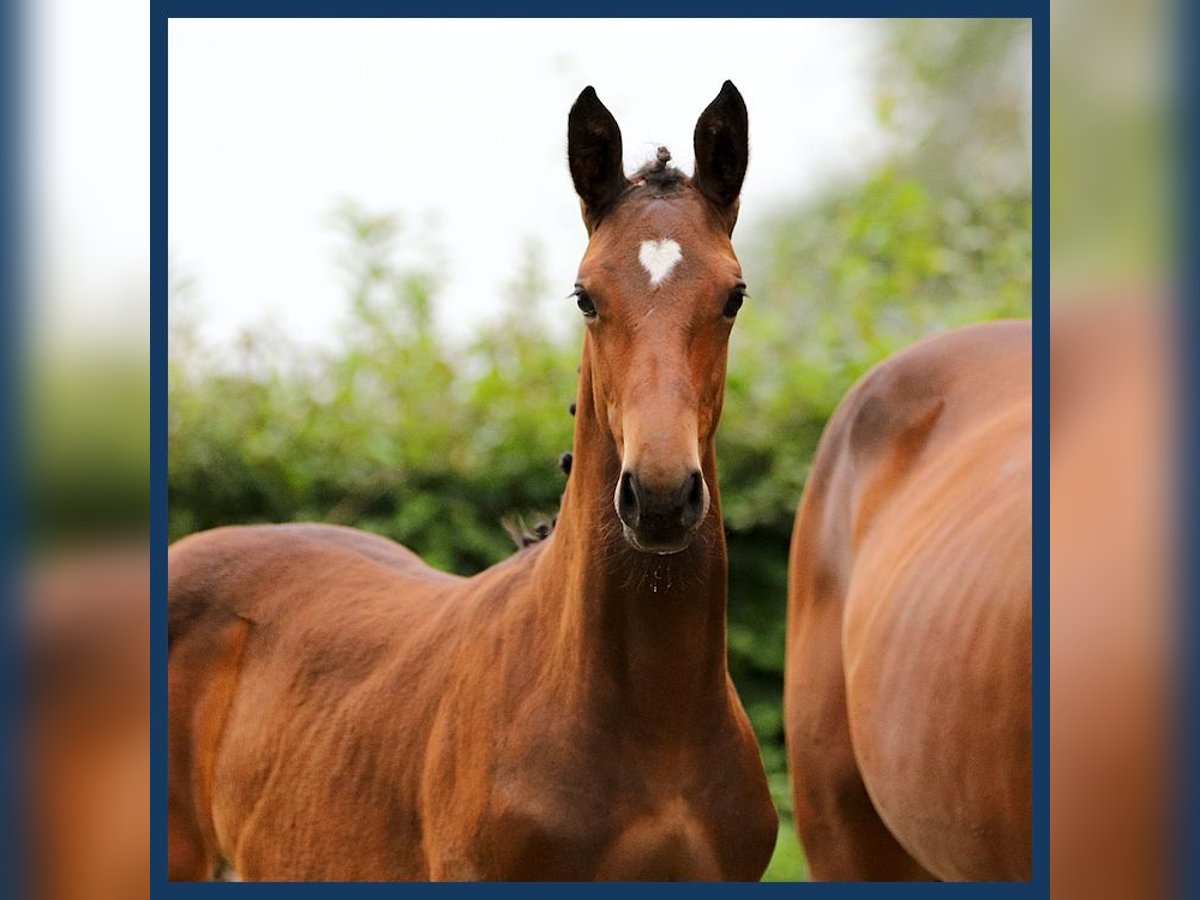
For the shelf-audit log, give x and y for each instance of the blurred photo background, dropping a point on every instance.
(81, 443)
(1122, 816)
(372, 233)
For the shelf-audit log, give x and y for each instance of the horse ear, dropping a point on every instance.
(594, 154)
(722, 143)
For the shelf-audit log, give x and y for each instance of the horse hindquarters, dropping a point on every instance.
(843, 837)
(890, 432)
(937, 643)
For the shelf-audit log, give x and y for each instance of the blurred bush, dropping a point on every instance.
(432, 442)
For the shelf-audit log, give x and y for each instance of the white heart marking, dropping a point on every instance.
(659, 258)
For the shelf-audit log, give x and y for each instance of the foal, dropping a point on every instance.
(340, 710)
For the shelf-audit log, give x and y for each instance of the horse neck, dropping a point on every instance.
(639, 632)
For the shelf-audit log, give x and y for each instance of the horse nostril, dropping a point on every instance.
(693, 501)
(628, 505)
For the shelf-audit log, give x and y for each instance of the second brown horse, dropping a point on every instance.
(909, 619)
(339, 710)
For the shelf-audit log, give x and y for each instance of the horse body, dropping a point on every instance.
(909, 640)
(360, 722)
(339, 710)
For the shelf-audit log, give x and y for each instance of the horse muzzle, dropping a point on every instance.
(658, 519)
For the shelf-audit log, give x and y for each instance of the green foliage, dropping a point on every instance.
(405, 433)
(398, 431)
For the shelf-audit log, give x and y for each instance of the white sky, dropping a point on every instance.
(463, 122)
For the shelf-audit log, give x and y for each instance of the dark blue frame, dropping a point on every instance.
(13, 361)
(1035, 10)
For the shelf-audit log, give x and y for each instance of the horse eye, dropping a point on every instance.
(734, 302)
(586, 306)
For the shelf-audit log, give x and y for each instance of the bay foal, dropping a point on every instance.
(907, 703)
(340, 710)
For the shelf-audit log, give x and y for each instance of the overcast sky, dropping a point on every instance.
(461, 123)
(459, 126)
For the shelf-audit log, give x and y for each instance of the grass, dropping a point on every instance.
(787, 862)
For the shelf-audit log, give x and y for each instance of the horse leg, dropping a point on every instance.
(187, 857)
(843, 836)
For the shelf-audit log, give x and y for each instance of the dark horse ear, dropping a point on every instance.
(722, 142)
(594, 154)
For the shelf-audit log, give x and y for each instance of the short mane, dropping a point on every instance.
(658, 176)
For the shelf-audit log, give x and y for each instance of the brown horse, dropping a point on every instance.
(909, 619)
(339, 710)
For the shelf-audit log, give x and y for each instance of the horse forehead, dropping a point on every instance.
(659, 241)
(656, 259)
(683, 220)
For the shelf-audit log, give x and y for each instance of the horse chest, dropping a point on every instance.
(670, 842)
(588, 806)
(569, 838)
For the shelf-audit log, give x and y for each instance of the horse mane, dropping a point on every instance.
(543, 526)
(658, 176)
(524, 535)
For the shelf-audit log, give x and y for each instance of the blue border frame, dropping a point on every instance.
(158, 447)
(13, 363)
(1035, 10)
